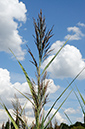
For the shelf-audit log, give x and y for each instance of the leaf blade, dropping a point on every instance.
(11, 118)
(57, 110)
(68, 118)
(26, 75)
(54, 56)
(25, 96)
(63, 93)
(81, 95)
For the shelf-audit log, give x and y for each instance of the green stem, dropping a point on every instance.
(39, 77)
(38, 106)
(37, 119)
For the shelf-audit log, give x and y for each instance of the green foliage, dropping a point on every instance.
(64, 126)
(77, 125)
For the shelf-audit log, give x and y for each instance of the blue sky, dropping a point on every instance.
(16, 30)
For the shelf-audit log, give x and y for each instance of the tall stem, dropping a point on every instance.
(39, 76)
(37, 119)
(38, 107)
(41, 41)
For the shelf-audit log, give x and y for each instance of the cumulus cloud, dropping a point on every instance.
(68, 63)
(3, 117)
(77, 34)
(80, 119)
(7, 92)
(81, 24)
(11, 11)
(58, 117)
(73, 113)
(70, 111)
(52, 88)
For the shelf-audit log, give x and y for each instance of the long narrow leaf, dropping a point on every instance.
(25, 96)
(23, 122)
(81, 95)
(79, 102)
(57, 110)
(11, 118)
(23, 108)
(68, 118)
(54, 56)
(42, 123)
(26, 75)
(62, 94)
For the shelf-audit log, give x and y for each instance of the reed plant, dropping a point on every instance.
(39, 96)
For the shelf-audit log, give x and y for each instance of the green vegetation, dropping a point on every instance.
(39, 96)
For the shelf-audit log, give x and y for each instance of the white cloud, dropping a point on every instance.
(56, 46)
(11, 10)
(81, 24)
(3, 117)
(75, 114)
(52, 88)
(70, 111)
(7, 92)
(58, 117)
(80, 119)
(68, 63)
(77, 34)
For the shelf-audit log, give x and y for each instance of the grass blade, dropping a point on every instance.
(23, 122)
(25, 96)
(57, 109)
(23, 108)
(27, 77)
(68, 118)
(12, 120)
(79, 102)
(54, 56)
(81, 95)
(62, 94)
(25, 73)
(42, 123)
